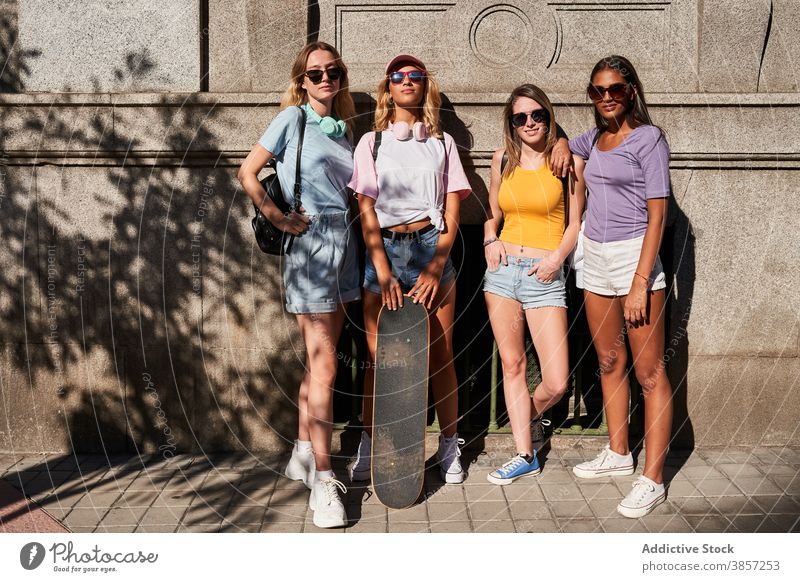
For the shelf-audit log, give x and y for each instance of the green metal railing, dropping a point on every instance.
(481, 402)
(573, 418)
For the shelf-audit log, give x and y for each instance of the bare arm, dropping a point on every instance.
(636, 301)
(427, 285)
(391, 292)
(294, 223)
(560, 157)
(495, 252)
(577, 202)
(547, 269)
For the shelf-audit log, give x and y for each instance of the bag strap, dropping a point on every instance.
(298, 187)
(376, 145)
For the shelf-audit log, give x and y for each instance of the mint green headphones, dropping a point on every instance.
(330, 126)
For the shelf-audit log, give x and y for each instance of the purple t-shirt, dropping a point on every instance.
(620, 182)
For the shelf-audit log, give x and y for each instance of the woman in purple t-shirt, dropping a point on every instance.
(625, 163)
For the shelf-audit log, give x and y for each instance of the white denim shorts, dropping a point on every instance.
(609, 268)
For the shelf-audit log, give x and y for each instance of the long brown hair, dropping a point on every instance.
(343, 106)
(637, 113)
(431, 103)
(513, 143)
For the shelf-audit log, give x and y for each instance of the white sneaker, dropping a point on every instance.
(325, 503)
(301, 466)
(606, 463)
(644, 496)
(359, 469)
(448, 457)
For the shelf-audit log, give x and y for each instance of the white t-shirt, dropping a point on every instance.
(410, 177)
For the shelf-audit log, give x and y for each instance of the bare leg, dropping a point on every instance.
(321, 334)
(302, 405)
(548, 327)
(443, 372)
(606, 321)
(508, 328)
(647, 347)
(372, 307)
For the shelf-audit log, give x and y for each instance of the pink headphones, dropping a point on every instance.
(402, 132)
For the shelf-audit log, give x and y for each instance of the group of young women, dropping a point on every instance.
(409, 183)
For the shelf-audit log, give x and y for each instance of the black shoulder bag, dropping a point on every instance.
(271, 239)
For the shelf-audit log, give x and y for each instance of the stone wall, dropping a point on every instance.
(135, 312)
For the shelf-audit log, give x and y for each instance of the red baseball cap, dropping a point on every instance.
(404, 60)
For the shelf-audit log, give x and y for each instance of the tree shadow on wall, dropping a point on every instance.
(136, 312)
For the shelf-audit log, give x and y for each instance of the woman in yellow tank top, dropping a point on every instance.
(524, 278)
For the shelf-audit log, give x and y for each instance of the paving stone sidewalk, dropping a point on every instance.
(727, 489)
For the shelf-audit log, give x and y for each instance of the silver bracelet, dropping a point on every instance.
(486, 243)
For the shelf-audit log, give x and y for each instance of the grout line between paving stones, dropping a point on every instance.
(131, 471)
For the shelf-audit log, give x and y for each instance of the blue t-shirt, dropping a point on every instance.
(325, 168)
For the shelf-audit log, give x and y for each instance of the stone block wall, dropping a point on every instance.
(135, 311)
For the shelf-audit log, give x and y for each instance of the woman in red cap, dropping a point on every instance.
(409, 194)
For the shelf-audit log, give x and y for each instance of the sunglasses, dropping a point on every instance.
(537, 115)
(399, 76)
(617, 92)
(315, 75)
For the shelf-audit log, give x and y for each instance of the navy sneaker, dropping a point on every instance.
(538, 437)
(514, 469)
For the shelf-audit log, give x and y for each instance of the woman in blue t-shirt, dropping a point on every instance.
(320, 272)
(627, 176)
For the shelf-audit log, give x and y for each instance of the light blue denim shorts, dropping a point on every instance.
(321, 269)
(513, 282)
(408, 255)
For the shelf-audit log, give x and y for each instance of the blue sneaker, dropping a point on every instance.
(514, 469)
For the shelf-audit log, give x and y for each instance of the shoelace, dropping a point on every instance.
(538, 429)
(454, 444)
(600, 459)
(331, 485)
(513, 463)
(451, 444)
(640, 489)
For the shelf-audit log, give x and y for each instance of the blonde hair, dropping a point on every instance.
(343, 106)
(513, 143)
(432, 102)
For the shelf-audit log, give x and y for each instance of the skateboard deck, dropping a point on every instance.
(400, 409)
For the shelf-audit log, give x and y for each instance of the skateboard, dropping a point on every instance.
(400, 408)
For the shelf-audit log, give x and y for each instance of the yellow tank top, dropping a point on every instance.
(532, 202)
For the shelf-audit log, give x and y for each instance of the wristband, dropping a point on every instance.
(487, 242)
(646, 279)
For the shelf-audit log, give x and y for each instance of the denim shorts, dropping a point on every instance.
(408, 257)
(321, 269)
(513, 282)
